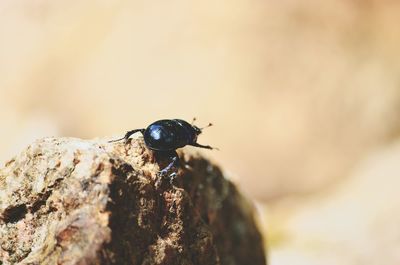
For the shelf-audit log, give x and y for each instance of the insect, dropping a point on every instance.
(165, 136)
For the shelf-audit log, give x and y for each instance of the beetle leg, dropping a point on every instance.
(203, 146)
(172, 177)
(128, 134)
(174, 163)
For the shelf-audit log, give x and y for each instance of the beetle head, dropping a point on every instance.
(196, 129)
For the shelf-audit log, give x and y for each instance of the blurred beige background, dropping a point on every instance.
(303, 94)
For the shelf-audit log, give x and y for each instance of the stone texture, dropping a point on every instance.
(72, 201)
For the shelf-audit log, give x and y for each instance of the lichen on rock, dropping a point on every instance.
(72, 201)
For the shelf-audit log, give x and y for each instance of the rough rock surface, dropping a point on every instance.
(72, 201)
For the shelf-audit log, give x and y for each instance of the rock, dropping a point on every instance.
(72, 201)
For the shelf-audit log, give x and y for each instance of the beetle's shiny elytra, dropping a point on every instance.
(167, 136)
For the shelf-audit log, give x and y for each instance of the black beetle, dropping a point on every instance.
(165, 136)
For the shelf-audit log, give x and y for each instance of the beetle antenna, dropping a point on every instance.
(209, 125)
(193, 120)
